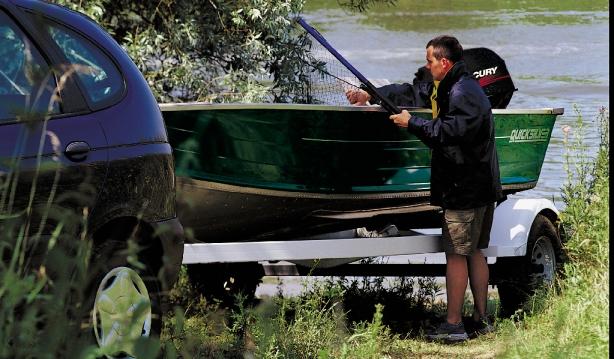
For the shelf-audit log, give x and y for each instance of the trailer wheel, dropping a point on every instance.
(520, 277)
(223, 281)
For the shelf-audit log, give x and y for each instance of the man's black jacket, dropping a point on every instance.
(464, 164)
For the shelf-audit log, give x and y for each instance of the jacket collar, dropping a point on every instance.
(454, 74)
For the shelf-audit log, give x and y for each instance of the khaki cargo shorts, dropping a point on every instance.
(464, 230)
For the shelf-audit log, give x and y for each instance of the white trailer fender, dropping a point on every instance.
(511, 225)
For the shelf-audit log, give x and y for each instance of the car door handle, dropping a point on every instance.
(77, 151)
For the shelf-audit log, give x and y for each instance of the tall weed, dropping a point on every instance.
(574, 323)
(44, 252)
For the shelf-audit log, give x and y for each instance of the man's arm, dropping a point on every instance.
(399, 94)
(405, 95)
(459, 126)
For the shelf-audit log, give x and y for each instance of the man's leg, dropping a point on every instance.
(456, 285)
(478, 267)
(478, 279)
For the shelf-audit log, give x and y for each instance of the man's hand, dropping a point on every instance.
(357, 97)
(402, 119)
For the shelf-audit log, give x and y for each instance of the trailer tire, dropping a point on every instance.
(520, 277)
(224, 281)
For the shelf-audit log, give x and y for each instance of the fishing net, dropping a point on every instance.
(321, 78)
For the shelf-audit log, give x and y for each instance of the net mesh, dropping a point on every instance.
(322, 78)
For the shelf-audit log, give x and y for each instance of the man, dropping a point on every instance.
(464, 178)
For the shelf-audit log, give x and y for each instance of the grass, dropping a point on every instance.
(334, 318)
(574, 322)
(41, 276)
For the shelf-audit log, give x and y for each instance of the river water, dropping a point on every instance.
(556, 51)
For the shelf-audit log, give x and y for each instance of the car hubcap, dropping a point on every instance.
(122, 312)
(542, 257)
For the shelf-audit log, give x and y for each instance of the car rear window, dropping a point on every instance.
(102, 80)
(26, 83)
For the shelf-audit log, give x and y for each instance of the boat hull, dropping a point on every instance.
(274, 171)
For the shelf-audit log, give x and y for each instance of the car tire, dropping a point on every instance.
(223, 281)
(520, 277)
(124, 296)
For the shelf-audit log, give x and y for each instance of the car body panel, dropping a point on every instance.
(121, 164)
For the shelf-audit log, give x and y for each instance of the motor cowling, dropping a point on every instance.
(492, 74)
(489, 69)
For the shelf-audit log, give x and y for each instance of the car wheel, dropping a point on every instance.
(520, 277)
(125, 300)
(223, 281)
(122, 311)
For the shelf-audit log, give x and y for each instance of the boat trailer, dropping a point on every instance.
(340, 253)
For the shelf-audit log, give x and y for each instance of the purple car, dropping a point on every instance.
(80, 130)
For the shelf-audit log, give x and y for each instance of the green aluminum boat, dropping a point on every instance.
(280, 171)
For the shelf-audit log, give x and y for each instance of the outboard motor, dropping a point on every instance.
(489, 69)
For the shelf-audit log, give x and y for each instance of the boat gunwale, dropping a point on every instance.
(193, 106)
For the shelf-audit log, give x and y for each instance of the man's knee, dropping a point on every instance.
(455, 257)
(477, 253)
